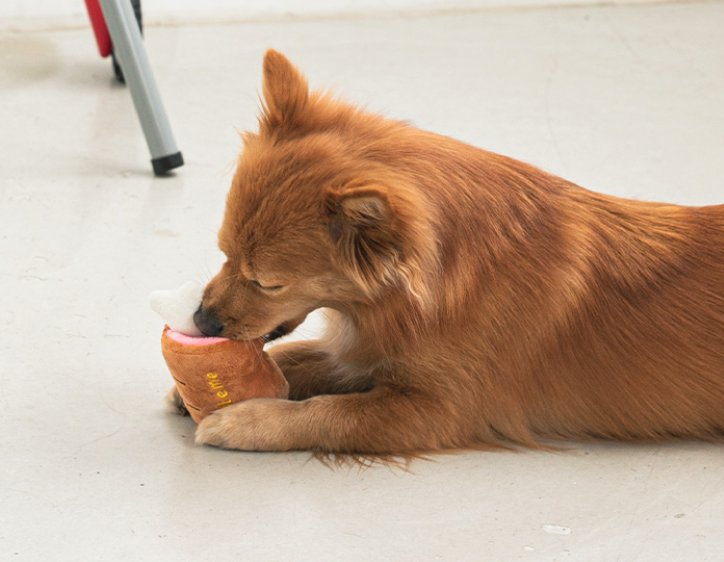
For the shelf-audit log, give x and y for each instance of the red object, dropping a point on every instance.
(100, 29)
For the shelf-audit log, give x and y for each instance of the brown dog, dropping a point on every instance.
(474, 300)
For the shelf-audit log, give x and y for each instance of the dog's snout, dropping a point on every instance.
(207, 322)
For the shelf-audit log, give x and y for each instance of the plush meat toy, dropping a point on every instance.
(211, 373)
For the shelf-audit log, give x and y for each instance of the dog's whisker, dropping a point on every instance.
(228, 277)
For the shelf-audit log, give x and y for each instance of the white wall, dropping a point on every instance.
(190, 10)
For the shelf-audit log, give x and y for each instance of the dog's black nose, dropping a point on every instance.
(207, 323)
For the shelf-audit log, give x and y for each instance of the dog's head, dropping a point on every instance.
(315, 216)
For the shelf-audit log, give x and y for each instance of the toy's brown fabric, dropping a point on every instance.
(209, 377)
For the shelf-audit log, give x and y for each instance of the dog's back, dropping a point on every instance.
(578, 314)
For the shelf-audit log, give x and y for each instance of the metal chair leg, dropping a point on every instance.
(131, 54)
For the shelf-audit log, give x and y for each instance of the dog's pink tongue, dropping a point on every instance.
(193, 340)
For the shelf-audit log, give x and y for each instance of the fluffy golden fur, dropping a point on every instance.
(474, 300)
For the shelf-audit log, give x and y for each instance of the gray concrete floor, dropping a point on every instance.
(624, 100)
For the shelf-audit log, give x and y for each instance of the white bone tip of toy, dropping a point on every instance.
(177, 307)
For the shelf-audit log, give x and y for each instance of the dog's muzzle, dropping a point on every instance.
(207, 322)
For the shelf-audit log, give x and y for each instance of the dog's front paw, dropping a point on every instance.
(253, 425)
(174, 403)
(218, 428)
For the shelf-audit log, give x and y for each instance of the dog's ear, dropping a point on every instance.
(361, 226)
(362, 212)
(286, 92)
(379, 240)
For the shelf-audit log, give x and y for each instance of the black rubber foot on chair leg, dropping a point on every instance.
(164, 164)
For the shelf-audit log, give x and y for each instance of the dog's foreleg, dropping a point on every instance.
(382, 421)
(311, 371)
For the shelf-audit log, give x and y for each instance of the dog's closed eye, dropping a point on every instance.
(271, 288)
